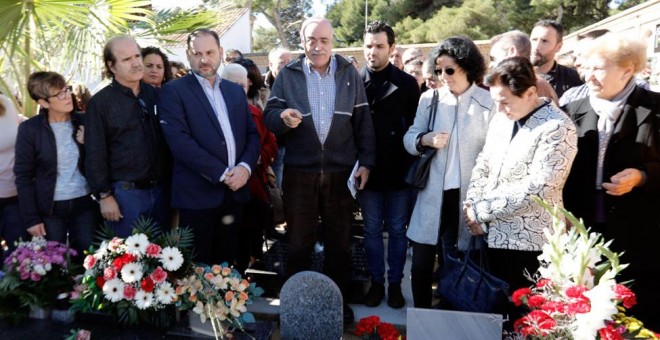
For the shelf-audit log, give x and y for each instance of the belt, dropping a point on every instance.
(138, 185)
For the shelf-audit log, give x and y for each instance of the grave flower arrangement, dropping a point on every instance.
(134, 278)
(575, 295)
(371, 328)
(219, 294)
(36, 272)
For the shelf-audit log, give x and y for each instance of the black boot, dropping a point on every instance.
(375, 295)
(394, 296)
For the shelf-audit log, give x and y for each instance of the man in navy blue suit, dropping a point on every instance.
(215, 146)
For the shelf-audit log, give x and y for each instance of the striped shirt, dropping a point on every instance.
(321, 91)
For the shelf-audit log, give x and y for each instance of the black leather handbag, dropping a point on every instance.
(467, 286)
(418, 173)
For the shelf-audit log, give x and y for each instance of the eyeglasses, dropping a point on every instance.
(62, 94)
(449, 71)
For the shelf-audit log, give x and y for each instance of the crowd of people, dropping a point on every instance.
(200, 147)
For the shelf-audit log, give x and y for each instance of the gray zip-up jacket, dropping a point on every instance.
(351, 134)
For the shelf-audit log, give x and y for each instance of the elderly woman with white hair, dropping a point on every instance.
(614, 184)
(254, 216)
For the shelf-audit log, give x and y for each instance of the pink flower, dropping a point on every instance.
(159, 275)
(153, 250)
(35, 277)
(609, 333)
(89, 262)
(579, 306)
(129, 292)
(216, 269)
(226, 271)
(229, 296)
(109, 273)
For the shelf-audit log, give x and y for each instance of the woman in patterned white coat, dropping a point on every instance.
(529, 151)
(458, 134)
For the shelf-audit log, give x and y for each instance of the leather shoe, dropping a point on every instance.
(349, 317)
(375, 295)
(394, 296)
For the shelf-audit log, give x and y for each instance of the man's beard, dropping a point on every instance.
(539, 60)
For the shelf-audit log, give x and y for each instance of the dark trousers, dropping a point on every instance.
(215, 230)
(11, 225)
(79, 218)
(308, 196)
(510, 266)
(423, 255)
(257, 216)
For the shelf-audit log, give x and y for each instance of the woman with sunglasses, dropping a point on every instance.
(458, 132)
(52, 192)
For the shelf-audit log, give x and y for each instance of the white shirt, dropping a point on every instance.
(214, 95)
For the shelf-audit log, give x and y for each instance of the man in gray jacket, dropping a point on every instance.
(318, 105)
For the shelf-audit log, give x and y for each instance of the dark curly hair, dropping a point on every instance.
(465, 53)
(516, 73)
(166, 62)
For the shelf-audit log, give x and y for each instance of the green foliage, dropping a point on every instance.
(265, 39)
(68, 36)
(286, 16)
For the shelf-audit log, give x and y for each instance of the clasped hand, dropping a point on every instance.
(435, 139)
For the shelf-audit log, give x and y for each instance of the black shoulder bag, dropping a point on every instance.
(418, 174)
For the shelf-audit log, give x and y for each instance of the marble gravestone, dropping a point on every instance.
(422, 324)
(310, 308)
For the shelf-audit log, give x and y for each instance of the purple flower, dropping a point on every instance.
(35, 277)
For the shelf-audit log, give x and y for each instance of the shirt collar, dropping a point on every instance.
(125, 89)
(332, 66)
(202, 81)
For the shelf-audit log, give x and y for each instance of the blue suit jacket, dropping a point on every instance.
(198, 145)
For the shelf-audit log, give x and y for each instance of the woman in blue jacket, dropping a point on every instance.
(52, 192)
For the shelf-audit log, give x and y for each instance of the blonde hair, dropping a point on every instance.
(622, 50)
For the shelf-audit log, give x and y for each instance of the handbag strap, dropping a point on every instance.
(483, 258)
(433, 109)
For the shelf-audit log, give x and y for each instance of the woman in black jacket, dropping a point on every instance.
(52, 192)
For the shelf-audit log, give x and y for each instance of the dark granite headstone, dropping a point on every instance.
(310, 308)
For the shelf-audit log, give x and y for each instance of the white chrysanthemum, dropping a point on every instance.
(39, 269)
(113, 290)
(171, 258)
(165, 293)
(137, 244)
(131, 272)
(602, 308)
(143, 300)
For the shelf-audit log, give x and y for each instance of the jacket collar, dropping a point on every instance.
(388, 87)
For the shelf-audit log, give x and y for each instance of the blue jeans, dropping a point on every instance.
(391, 208)
(78, 217)
(133, 203)
(11, 224)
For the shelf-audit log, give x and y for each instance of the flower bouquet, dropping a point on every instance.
(371, 328)
(36, 272)
(219, 294)
(134, 278)
(575, 295)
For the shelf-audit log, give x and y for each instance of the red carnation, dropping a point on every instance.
(519, 294)
(626, 295)
(579, 306)
(147, 285)
(575, 291)
(535, 301)
(543, 282)
(121, 261)
(553, 307)
(536, 323)
(609, 333)
(100, 281)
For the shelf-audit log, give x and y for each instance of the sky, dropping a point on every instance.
(318, 6)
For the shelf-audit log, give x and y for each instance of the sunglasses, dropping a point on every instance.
(449, 71)
(62, 94)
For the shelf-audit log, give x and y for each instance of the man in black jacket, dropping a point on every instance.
(127, 159)
(386, 199)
